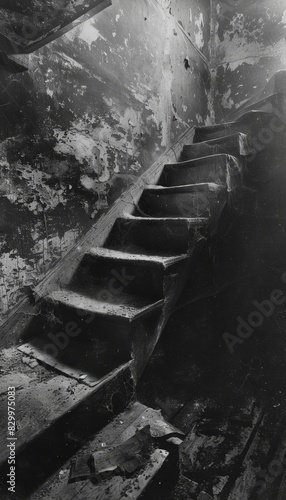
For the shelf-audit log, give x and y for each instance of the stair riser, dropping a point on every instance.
(173, 237)
(202, 204)
(119, 277)
(222, 170)
(184, 174)
(251, 124)
(81, 339)
(219, 131)
(235, 145)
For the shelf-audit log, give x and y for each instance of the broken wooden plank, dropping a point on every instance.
(119, 458)
(269, 478)
(254, 479)
(210, 457)
(119, 430)
(118, 488)
(190, 413)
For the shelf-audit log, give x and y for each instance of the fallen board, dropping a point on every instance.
(214, 450)
(119, 430)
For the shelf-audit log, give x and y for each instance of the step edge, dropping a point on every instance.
(201, 186)
(137, 312)
(119, 256)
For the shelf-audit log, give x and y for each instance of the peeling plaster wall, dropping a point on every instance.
(250, 47)
(194, 17)
(96, 108)
(24, 22)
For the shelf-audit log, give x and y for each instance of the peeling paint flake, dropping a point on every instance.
(226, 101)
(75, 142)
(199, 35)
(85, 32)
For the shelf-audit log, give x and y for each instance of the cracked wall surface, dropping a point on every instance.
(250, 47)
(96, 108)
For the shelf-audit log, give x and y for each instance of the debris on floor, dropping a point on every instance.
(32, 363)
(124, 459)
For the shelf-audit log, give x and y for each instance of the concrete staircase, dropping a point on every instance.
(94, 335)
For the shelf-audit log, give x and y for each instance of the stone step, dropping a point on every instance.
(233, 145)
(127, 307)
(49, 407)
(249, 123)
(116, 487)
(89, 336)
(216, 168)
(161, 236)
(195, 200)
(123, 273)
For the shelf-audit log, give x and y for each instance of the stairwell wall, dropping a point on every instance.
(97, 107)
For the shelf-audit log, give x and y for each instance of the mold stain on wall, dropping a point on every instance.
(97, 107)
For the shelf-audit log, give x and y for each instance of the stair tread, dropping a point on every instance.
(138, 258)
(131, 309)
(116, 488)
(42, 396)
